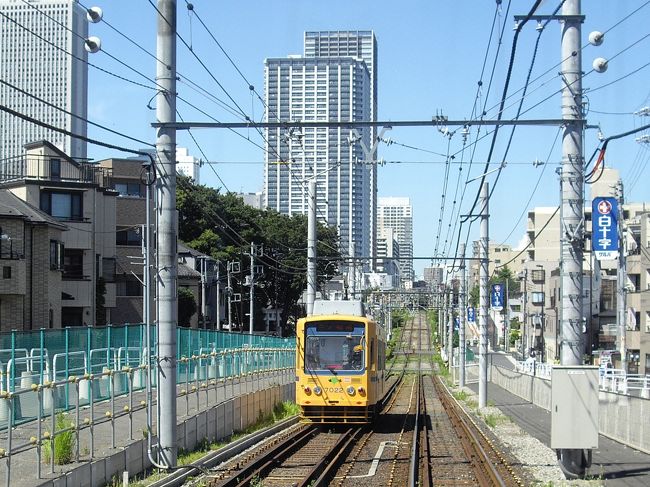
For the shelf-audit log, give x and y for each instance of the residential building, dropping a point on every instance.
(31, 257)
(130, 208)
(434, 276)
(323, 87)
(45, 75)
(256, 200)
(388, 258)
(397, 213)
(500, 255)
(188, 165)
(360, 44)
(79, 195)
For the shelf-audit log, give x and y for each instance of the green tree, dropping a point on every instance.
(222, 226)
(186, 306)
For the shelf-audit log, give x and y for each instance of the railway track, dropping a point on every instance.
(422, 438)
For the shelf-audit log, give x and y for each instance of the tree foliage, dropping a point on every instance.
(222, 226)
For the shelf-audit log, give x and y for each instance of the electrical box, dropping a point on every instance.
(574, 407)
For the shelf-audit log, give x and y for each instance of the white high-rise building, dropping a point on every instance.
(397, 213)
(43, 71)
(188, 165)
(322, 88)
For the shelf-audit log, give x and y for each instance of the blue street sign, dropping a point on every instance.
(604, 224)
(496, 297)
(471, 314)
(456, 323)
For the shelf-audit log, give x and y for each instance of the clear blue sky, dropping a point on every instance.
(431, 54)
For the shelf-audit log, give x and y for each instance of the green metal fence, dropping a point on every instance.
(32, 358)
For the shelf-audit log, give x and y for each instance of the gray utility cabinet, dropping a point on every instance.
(574, 407)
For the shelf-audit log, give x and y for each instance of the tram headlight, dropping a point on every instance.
(307, 390)
(361, 390)
(317, 390)
(351, 390)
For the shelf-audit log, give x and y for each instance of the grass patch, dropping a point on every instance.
(460, 395)
(64, 443)
(494, 419)
(472, 404)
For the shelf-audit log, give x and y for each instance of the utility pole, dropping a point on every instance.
(218, 264)
(204, 280)
(621, 278)
(167, 235)
(450, 321)
(311, 248)
(463, 316)
(252, 291)
(524, 324)
(572, 225)
(483, 301)
(230, 293)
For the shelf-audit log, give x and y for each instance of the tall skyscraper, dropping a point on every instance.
(323, 88)
(42, 53)
(360, 44)
(397, 213)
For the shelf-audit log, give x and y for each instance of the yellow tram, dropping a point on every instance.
(340, 364)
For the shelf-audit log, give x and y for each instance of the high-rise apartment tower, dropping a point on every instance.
(332, 82)
(43, 66)
(397, 213)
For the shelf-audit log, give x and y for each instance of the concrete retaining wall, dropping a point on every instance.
(214, 424)
(620, 417)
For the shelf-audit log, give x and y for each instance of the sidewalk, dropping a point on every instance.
(617, 464)
(24, 464)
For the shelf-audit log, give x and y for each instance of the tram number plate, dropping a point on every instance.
(334, 389)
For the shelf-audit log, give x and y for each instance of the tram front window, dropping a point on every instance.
(334, 346)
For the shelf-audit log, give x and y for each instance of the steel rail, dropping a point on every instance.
(269, 459)
(486, 471)
(330, 463)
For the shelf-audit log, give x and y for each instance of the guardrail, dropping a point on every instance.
(81, 384)
(535, 368)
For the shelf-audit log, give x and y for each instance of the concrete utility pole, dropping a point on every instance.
(167, 272)
(230, 268)
(463, 318)
(218, 264)
(450, 331)
(204, 281)
(311, 247)
(251, 307)
(483, 301)
(524, 324)
(621, 278)
(572, 225)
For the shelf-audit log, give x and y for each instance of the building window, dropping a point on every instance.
(55, 168)
(128, 189)
(108, 268)
(56, 255)
(73, 264)
(64, 206)
(6, 272)
(130, 236)
(128, 287)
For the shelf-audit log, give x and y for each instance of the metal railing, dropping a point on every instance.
(88, 383)
(532, 367)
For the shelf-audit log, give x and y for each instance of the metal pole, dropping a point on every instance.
(450, 322)
(621, 301)
(252, 290)
(463, 315)
(483, 301)
(229, 289)
(204, 281)
(572, 224)
(311, 248)
(167, 229)
(218, 296)
(524, 323)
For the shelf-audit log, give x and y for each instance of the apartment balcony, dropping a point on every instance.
(53, 169)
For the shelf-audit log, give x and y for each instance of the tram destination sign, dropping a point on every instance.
(604, 224)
